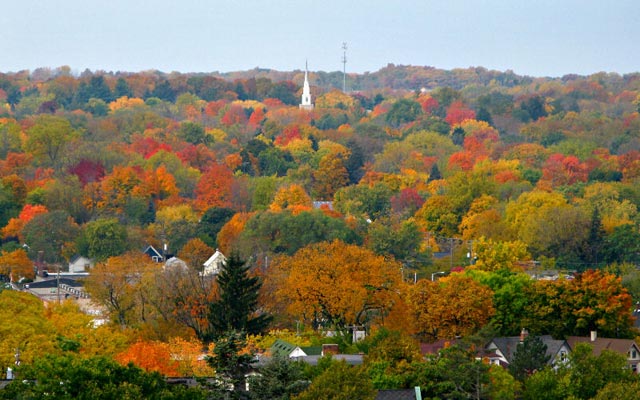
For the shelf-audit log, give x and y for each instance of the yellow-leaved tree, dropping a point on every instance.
(495, 255)
(117, 285)
(292, 197)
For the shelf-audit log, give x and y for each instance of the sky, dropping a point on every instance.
(530, 37)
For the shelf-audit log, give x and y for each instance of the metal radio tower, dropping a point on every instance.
(344, 67)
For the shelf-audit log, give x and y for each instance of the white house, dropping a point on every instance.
(214, 264)
(80, 264)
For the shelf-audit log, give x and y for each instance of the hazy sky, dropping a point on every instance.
(530, 37)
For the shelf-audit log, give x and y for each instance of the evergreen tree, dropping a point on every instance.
(279, 379)
(122, 89)
(530, 356)
(231, 364)
(595, 241)
(164, 91)
(237, 307)
(355, 162)
(484, 115)
(457, 137)
(435, 174)
(211, 222)
(96, 88)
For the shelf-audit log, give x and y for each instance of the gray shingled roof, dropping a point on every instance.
(397, 394)
(620, 346)
(508, 346)
(51, 283)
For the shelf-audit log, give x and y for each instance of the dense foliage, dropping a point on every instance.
(423, 201)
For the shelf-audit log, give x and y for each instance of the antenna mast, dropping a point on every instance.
(344, 67)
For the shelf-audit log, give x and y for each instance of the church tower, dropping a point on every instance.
(306, 92)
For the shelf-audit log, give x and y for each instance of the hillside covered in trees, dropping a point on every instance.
(347, 215)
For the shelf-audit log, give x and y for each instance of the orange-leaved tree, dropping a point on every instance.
(195, 252)
(335, 285)
(152, 356)
(16, 264)
(230, 232)
(593, 301)
(15, 225)
(453, 306)
(159, 184)
(117, 188)
(214, 188)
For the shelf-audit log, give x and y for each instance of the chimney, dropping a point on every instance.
(523, 335)
(330, 349)
(594, 335)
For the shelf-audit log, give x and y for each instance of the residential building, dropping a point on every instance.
(626, 347)
(501, 350)
(214, 264)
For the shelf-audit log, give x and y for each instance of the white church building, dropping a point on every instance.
(305, 103)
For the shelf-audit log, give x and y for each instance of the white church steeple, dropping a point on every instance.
(306, 92)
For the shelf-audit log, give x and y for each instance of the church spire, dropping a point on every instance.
(306, 104)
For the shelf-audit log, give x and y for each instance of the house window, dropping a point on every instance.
(563, 356)
(634, 354)
(634, 368)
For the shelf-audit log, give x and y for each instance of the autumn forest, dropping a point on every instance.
(420, 205)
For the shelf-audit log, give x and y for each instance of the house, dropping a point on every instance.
(214, 264)
(636, 316)
(312, 354)
(80, 264)
(155, 255)
(432, 349)
(501, 350)
(175, 264)
(400, 394)
(626, 347)
(286, 349)
(58, 288)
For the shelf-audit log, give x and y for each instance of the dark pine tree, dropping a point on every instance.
(484, 115)
(355, 162)
(530, 356)
(457, 137)
(237, 307)
(435, 174)
(279, 379)
(231, 364)
(122, 89)
(595, 241)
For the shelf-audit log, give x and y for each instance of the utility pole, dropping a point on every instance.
(451, 240)
(344, 67)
